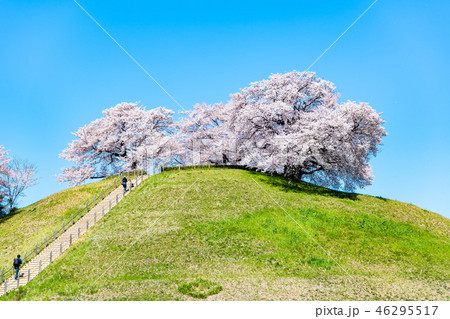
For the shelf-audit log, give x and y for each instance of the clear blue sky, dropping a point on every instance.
(58, 71)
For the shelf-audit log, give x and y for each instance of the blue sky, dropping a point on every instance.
(58, 71)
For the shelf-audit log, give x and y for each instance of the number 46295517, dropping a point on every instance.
(407, 310)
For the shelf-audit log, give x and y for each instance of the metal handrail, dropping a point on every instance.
(82, 211)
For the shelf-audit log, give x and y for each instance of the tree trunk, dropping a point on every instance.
(294, 172)
(224, 158)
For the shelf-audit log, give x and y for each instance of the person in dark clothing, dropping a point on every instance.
(16, 264)
(124, 183)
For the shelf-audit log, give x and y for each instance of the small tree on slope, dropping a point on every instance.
(20, 176)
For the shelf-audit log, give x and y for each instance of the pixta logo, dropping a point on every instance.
(337, 311)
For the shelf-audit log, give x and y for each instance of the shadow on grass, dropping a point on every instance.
(302, 187)
(8, 216)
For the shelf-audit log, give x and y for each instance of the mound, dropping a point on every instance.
(229, 234)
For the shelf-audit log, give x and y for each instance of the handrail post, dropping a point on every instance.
(117, 198)
(36, 248)
(6, 286)
(51, 255)
(60, 248)
(94, 200)
(64, 226)
(103, 210)
(2, 275)
(45, 241)
(87, 224)
(54, 234)
(79, 232)
(79, 212)
(71, 220)
(87, 206)
(70, 239)
(95, 217)
(25, 258)
(29, 274)
(18, 280)
(109, 204)
(40, 265)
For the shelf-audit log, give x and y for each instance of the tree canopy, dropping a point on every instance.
(292, 123)
(15, 177)
(126, 134)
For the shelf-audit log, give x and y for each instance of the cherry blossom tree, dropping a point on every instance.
(123, 138)
(294, 124)
(19, 177)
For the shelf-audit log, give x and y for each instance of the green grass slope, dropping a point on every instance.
(21, 230)
(223, 234)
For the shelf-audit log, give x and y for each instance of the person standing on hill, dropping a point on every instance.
(16, 264)
(124, 183)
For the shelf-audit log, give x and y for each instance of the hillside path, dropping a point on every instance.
(73, 233)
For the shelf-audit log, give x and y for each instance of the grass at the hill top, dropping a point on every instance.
(225, 234)
(20, 231)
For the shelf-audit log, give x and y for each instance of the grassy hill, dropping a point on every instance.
(20, 231)
(225, 234)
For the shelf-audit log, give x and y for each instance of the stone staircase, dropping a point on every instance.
(55, 249)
